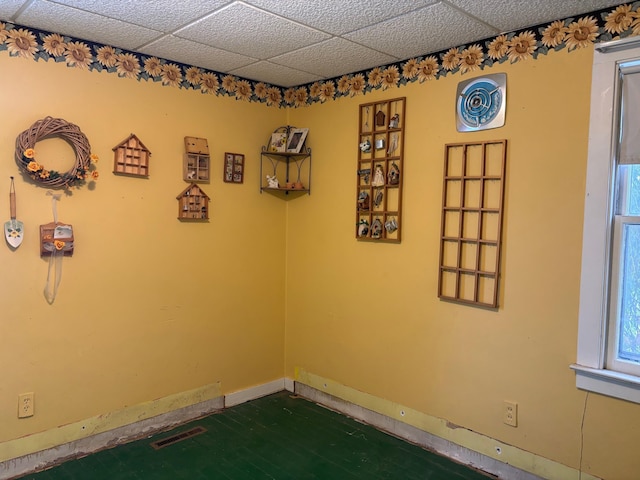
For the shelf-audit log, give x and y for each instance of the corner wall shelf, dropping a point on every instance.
(283, 171)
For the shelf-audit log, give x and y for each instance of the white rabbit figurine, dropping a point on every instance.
(273, 182)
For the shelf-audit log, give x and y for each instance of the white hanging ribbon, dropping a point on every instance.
(55, 260)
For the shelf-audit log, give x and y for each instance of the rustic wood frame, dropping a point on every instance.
(233, 168)
(474, 177)
(379, 207)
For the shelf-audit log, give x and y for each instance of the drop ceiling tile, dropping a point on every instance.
(248, 31)
(164, 15)
(507, 15)
(340, 16)
(432, 28)
(8, 8)
(191, 53)
(333, 58)
(279, 75)
(84, 25)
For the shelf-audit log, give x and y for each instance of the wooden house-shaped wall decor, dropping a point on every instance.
(196, 165)
(131, 157)
(193, 204)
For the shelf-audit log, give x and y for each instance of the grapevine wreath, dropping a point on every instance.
(48, 127)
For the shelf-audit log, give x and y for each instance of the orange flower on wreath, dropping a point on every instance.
(29, 153)
(34, 166)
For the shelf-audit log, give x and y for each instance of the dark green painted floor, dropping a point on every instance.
(276, 437)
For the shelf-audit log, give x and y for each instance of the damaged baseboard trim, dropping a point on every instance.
(414, 435)
(43, 459)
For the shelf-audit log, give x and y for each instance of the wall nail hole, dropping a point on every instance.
(498, 450)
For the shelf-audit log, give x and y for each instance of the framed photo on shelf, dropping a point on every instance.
(278, 142)
(233, 168)
(296, 139)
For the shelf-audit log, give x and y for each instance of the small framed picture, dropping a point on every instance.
(278, 142)
(233, 168)
(296, 139)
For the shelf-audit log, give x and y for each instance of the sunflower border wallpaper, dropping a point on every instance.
(522, 45)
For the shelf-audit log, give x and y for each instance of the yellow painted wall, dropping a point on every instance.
(367, 316)
(148, 307)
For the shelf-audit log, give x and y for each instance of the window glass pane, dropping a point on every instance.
(629, 333)
(634, 190)
(628, 191)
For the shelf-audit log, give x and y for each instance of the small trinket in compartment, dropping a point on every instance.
(365, 146)
(363, 201)
(378, 198)
(363, 228)
(376, 228)
(394, 174)
(391, 225)
(378, 177)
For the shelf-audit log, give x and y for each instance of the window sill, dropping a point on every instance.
(607, 382)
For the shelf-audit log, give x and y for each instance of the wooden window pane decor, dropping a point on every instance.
(131, 157)
(380, 171)
(233, 168)
(472, 205)
(196, 164)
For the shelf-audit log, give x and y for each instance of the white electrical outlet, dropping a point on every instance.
(25, 405)
(510, 413)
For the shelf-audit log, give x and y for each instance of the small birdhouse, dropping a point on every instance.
(193, 204)
(196, 164)
(131, 157)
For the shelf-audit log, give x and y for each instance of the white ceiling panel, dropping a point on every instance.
(84, 25)
(275, 74)
(329, 59)
(152, 14)
(430, 29)
(508, 15)
(191, 53)
(291, 42)
(248, 31)
(8, 8)
(340, 16)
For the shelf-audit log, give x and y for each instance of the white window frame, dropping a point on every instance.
(591, 369)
